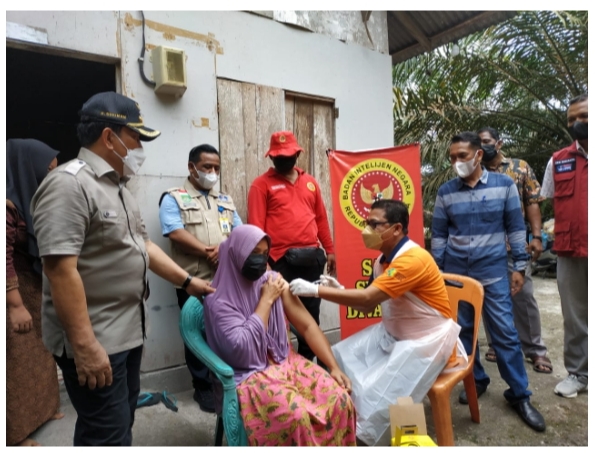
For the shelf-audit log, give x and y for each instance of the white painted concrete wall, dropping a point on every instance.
(243, 47)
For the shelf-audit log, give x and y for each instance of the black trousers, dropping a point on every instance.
(105, 415)
(312, 304)
(198, 370)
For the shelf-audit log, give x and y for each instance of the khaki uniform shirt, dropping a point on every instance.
(207, 218)
(83, 208)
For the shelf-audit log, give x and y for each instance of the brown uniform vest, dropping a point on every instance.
(204, 218)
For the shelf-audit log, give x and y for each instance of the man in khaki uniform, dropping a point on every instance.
(96, 256)
(197, 218)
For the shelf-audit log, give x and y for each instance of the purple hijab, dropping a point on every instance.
(233, 331)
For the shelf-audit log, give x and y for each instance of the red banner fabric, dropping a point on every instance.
(357, 179)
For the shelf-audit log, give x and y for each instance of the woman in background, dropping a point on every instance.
(32, 394)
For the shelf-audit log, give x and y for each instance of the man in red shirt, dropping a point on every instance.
(285, 202)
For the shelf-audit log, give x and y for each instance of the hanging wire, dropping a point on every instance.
(141, 59)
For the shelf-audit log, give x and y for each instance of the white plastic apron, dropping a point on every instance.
(401, 356)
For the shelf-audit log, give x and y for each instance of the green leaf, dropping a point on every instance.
(517, 77)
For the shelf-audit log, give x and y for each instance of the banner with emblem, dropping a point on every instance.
(357, 180)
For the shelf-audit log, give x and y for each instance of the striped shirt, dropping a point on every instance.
(471, 225)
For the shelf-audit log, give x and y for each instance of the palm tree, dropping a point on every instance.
(517, 77)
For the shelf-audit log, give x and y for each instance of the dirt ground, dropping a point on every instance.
(566, 419)
(500, 426)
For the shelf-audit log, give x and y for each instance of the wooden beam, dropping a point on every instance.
(412, 27)
(454, 33)
(311, 97)
(485, 16)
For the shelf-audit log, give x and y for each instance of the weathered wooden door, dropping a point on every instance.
(249, 114)
(312, 122)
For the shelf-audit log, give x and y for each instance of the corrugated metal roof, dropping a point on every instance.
(411, 33)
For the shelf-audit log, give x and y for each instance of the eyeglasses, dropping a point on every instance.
(374, 224)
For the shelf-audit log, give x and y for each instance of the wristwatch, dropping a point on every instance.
(187, 281)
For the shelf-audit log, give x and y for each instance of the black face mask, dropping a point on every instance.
(489, 152)
(579, 130)
(284, 164)
(255, 266)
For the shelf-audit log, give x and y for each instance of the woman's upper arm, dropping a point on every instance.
(295, 311)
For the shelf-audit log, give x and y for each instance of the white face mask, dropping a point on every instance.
(133, 160)
(206, 180)
(464, 169)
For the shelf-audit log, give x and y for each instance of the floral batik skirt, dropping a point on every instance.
(296, 403)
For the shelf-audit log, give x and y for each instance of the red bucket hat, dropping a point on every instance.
(283, 143)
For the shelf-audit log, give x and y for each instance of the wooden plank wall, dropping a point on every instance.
(233, 143)
(323, 134)
(249, 114)
(302, 129)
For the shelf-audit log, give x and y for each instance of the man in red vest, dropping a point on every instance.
(566, 181)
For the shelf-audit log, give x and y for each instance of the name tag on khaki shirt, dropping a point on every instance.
(110, 214)
(225, 225)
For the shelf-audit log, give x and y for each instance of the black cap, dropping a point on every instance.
(111, 107)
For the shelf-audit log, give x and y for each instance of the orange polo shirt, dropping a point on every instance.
(415, 271)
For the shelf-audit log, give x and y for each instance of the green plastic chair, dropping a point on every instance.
(192, 329)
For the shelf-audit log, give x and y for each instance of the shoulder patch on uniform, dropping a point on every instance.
(74, 167)
(392, 272)
(223, 197)
(187, 200)
(175, 190)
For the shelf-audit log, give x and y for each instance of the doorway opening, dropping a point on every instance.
(45, 92)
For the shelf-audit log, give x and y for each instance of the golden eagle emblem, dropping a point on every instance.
(370, 196)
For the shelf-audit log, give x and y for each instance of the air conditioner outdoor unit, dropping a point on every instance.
(169, 70)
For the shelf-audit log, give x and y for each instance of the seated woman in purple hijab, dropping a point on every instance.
(284, 398)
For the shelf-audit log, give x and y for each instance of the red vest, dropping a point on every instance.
(571, 195)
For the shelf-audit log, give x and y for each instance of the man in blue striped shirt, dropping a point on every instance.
(474, 216)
